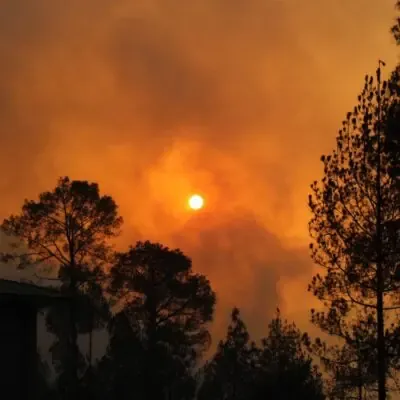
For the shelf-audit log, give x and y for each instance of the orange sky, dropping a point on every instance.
(155, 99)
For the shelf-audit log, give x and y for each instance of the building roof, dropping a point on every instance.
(22, 291)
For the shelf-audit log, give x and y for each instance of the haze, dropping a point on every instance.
(158, 99)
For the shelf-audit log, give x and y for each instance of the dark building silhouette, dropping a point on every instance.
(19, 305)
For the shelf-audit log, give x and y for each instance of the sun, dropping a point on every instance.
(196, 202)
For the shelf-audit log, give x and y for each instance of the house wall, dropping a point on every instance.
(18, 362)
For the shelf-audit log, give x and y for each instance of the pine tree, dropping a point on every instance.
(351, 371)
(355, 211)
(68, 229)
(168, 308)
(230, 375)
(278, 369)
(285, 369)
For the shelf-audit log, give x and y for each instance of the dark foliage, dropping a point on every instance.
(355, 227)
(160, 330)
(279, 368)
(67, 229)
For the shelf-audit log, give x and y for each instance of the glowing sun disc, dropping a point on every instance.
(196, 202)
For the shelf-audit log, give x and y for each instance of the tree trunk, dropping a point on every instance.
(90, 355)
(381, 350)
(74, 344)
(154, 389)
(379, 264)
(73, 285)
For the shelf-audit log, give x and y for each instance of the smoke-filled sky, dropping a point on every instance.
(156, 99)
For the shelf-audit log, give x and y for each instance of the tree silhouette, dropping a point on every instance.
(164, 311)
(286, 370)
(351, 369)
(119, 374)
(67, 229)
(230, 373)
(91, 312)
(355, 208)
(392, 129)
(279, 369)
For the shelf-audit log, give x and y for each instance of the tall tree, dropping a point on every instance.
(279, 369)
(351, 369)
(392, 129)
(285, 369)
(356, 240)
(119, 374)
(168, 307)
(230, 373)
(68, 229)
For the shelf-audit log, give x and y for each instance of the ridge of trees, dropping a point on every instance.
(156, 308)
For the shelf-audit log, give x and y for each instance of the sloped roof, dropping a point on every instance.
(40, 296)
